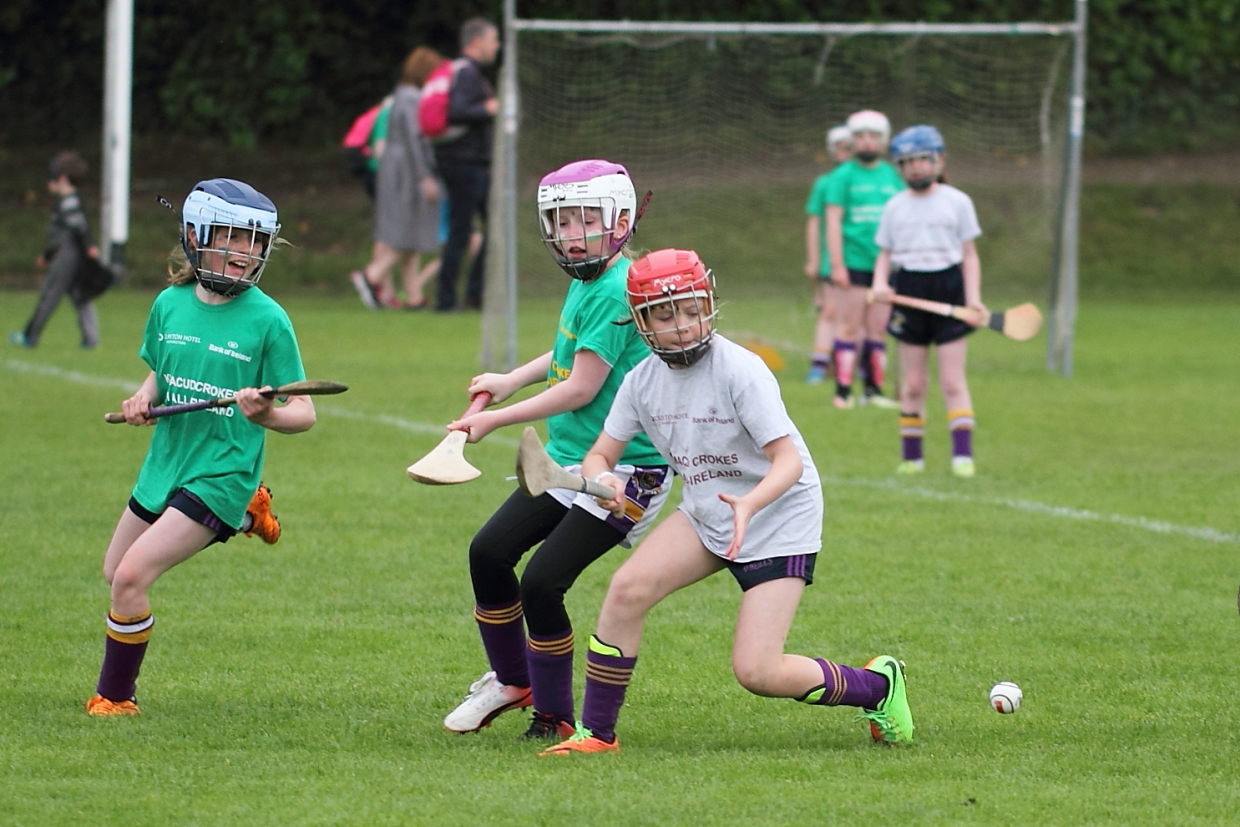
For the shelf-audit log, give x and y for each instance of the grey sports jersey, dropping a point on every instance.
(925, 232)
(710, 422)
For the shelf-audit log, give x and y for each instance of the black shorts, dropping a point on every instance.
(917, 327)
(755, 572)
(191, 506)
(861, 278)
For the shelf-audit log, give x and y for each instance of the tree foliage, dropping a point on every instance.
(1163, 74)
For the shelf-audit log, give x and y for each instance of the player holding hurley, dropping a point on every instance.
(752, 505)
(587, 212)
(212, 327)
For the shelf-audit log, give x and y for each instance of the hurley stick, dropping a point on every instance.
(445, 464)
(306, 387)
(537, 471)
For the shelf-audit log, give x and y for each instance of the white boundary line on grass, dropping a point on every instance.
(1211, 535)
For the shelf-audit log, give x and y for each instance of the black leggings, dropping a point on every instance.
(572, 539)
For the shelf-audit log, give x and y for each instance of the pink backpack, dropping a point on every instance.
(433, 107)
(355, 148)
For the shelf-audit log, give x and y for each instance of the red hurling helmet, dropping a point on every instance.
(670, 277)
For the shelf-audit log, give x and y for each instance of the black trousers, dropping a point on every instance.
(572, 539)
(469, 186)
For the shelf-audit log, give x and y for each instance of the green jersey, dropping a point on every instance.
(202, 351)
(862, 192)
(587, 322)
(816, 205)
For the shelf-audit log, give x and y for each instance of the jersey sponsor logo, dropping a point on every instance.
(195, 386)
(557, 374)
(179, 339)
(228, 351)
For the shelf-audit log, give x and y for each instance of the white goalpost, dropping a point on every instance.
(724, 121)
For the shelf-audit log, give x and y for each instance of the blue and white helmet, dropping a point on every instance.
(916, 141)
(221, 211)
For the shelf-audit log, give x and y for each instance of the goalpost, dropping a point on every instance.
(725, 122)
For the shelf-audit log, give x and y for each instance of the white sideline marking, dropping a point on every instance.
(1211, 535)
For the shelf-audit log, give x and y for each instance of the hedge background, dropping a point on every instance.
(1164, 75)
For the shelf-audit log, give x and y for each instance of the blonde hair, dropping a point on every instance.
(180, 271)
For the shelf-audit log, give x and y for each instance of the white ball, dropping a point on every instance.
(1005, 697)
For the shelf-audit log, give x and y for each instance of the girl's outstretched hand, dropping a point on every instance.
(742, 511)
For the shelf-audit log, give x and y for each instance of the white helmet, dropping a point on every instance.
(219, 210)
(867, 120)
(838, 135)
(597, 184)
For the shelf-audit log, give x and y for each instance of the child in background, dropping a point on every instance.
(752, 505)
(68, 245)
(587, 211)
(213, 333)
(818, 268)
(856, 194)
(928, 232)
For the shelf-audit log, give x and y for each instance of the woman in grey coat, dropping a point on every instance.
(406, 198)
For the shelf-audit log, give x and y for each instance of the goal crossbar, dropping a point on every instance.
(1063, 293)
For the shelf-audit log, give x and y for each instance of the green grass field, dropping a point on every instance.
(1094, 560)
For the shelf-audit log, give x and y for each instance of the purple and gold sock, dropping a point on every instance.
(960, 422)
(550, 660)
(124, 649)
(912, 429)
(608, 674)
(846, 686)
(821, 359)
(503, 637)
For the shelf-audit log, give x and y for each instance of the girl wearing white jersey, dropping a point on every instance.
(927, 231)
(752, 505)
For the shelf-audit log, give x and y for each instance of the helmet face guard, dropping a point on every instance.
(228, 229)
(918, 142)
(672, 294)
(579, 208)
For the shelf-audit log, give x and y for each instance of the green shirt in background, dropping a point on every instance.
(816, 205)
(202, 351)
(587, 322)
(862, 192)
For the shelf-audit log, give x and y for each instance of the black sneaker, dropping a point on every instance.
(547, 727)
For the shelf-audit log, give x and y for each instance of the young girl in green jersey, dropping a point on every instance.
(818, 267)
(212, 334)
(587, 211)
(856, 194)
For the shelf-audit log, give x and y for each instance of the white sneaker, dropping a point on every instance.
(487, 700)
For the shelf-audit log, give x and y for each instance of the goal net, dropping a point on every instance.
(727, 129)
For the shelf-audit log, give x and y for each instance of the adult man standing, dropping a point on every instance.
(465, 161)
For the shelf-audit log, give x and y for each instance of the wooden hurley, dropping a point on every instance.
(306, 387)
(537, 472)
(445, 464)
(1019, 323)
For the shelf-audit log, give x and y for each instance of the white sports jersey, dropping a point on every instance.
(925, 233)
(710, 422)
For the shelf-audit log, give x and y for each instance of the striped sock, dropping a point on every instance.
(608, 674)
(503, 637)
(846, 686)
(912, 429)
(960, 422)
(550, 660)
(124, 649)
(845, 363)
